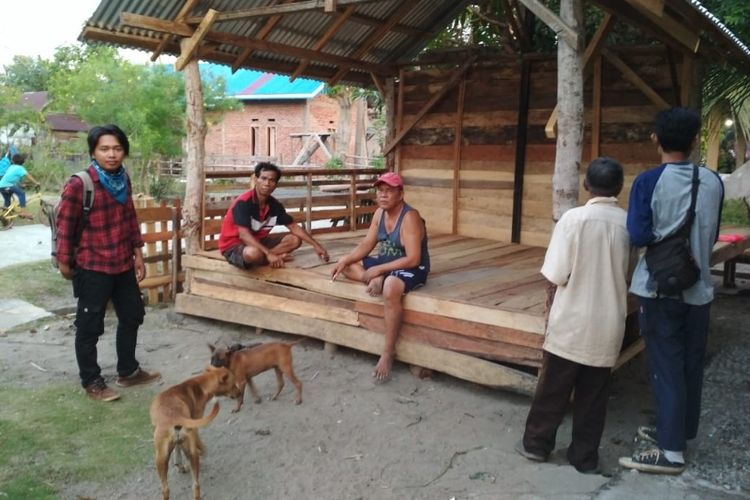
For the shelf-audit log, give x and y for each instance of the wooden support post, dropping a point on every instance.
(330, 6)
(389, 98)
(330, 349)
(194, 158)
(308, 211)
(189, 47)
(399, 117)
(352, 202)
(458, 136)
(565, 179)
(596, 109)
(522, 130)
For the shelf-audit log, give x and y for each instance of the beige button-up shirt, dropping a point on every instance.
(588, 259)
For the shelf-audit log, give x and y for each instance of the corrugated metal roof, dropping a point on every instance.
(248, 84)
(300, 30)
(353, 52)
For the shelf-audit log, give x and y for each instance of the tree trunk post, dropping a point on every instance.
(570, 113)
(194, 159)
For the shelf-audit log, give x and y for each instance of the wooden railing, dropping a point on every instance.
(325, 200)
(160, 227)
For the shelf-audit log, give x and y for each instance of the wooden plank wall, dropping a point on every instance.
(484, 201)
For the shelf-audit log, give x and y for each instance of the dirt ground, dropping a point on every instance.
(437, 438)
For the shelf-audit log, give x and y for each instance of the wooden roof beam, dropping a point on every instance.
(636, 80)
(262, 34)
(155, 24)
(211, 52)
(655, 7)
(335, 26)
(460, 72)
(291, 8)
(552, 21)
(374, 37)
(635, 17)
(189, 49)
(186, 9)
(686, 36)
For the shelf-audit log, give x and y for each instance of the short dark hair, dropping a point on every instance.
(18, 159)
(265, 165)
(604, 177)
(675, 129)
(97, 132)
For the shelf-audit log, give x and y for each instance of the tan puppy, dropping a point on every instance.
(176, 414)
(248, 361)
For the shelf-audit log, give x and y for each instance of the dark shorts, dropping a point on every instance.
(413, 278)
(234, 254)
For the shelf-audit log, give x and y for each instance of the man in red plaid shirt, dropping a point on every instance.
(106, 264)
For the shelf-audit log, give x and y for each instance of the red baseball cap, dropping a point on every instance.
(390, 178)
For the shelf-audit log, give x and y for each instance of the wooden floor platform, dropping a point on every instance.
(479, 318)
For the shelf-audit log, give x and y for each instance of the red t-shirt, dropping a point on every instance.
(245, 211)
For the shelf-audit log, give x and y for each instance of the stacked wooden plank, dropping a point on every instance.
(483, 306)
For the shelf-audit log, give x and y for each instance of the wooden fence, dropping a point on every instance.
(324, 200)
(160, 226)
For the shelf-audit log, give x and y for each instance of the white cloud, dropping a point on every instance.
(37, 27)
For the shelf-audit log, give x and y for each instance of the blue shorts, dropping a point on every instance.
(413, 277)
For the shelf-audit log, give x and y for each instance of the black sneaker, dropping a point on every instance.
(647, 434)
(652, 460)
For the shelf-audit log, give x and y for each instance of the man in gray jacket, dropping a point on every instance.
(675, 327)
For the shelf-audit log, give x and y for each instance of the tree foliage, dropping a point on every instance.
(26, 73)
(148, 102)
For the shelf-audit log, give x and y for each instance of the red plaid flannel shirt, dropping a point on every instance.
(109, 238)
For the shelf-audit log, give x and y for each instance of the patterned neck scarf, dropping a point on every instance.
(115, 183)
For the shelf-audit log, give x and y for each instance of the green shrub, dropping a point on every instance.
(735, 213)
(335, 163)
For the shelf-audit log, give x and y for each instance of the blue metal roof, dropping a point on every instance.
(259, 85)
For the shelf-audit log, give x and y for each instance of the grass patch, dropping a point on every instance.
(55, 435)
(734, 213)
(36, 282)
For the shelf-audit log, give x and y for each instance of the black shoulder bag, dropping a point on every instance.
(670, 261)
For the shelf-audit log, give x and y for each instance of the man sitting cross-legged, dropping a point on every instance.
(245, 238)
(402, 263)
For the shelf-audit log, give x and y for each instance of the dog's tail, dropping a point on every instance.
(192, 423)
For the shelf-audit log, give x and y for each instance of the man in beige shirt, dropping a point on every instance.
(587, 261)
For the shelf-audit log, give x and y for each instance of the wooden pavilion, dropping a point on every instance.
(471, 131)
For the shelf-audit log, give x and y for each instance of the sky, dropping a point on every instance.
(37, 27)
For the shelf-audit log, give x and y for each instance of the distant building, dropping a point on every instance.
(62, 127)
(276, 119)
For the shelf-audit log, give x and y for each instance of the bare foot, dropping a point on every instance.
(375, 286)
(287, 257)
(382, 370)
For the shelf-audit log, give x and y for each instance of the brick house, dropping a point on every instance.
(276, 117)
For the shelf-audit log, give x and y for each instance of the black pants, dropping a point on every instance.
(94, 290)
(558, 377)
(676, 334)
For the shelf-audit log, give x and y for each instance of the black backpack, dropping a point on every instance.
(52, 211)
(670, 260)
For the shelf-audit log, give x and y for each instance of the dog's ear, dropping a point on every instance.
(212, 347)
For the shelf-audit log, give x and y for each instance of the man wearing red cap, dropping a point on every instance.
(402, 263)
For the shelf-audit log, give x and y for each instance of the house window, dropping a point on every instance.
(254, 141)
(271, 141)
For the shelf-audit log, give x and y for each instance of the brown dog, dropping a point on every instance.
(248, 361)
(176, 414)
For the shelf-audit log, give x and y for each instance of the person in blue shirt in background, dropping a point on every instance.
(11, 182)
(675, 328)
(5, 160)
